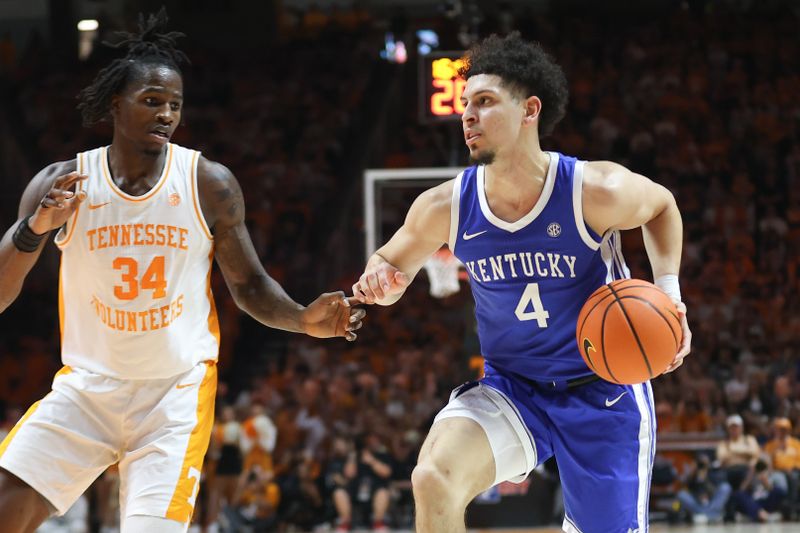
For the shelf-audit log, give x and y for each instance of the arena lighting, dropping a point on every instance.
(88, 25)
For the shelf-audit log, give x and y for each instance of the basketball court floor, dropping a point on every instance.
(660, 528)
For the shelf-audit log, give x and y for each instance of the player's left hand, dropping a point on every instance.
(332, 315)
(686, 340)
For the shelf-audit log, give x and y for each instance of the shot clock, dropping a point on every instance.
(441, 86)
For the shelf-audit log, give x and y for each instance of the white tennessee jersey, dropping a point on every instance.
(134, 290)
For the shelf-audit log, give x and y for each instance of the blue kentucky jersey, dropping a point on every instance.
(530, 277)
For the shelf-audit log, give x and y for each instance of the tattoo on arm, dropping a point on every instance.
(254, 291)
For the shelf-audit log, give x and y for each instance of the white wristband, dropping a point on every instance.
(669, 284)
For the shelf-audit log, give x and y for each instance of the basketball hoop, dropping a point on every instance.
(443, 273)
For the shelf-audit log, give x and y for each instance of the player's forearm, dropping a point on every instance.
(663, 239)
(265, 300)
(14, 267)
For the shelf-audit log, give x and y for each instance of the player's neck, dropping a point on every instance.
(518, 169)
(131, 164)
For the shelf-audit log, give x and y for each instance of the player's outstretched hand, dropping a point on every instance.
(686, 340)
(379, 282)
(58, 204)
(333, 315)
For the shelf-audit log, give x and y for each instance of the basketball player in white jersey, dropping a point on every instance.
(138, 224)
(538, 232)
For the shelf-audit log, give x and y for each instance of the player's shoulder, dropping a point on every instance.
(437, 199)
(602, 180)
(45, 177)
(213, 170)
(602, 172)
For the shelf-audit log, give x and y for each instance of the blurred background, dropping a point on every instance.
(298, 98)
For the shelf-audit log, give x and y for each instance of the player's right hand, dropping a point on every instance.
(379, 281)
(58, 204)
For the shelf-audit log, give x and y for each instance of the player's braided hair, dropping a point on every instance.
(147, 47)
(526, 70)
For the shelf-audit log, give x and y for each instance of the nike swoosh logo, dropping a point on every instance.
(467, 236)
(615, 400)
(185, 385)
(587, 345)
(98, 206)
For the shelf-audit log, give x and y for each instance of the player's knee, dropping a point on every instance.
(432, 484)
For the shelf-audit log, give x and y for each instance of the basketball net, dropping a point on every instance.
(443, 272)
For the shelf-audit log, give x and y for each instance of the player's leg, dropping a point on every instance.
(56, 450)
(151, 524)
(22, 509)
(476, 441)
(455, 465)
(170, 421)
(605, 452)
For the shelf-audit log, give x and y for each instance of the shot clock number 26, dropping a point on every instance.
(441, 86)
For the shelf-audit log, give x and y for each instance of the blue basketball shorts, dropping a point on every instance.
(601, 434)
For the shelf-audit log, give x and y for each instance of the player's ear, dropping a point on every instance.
(533, 106)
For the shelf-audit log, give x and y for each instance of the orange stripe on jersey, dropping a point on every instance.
(213, 320)
(18, 425)
(61, 298)
(74, 218)
(196, 198)
(181, 505)
(123, 194)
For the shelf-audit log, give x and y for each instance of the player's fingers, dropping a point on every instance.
(384, 280)
(375, 286)
(68, 180)
(361, 288)
(49, 202)
(356, 299)
(353, 327)
(64, 178)
(357, 314)
(331, 298)
(358, 295)
(686, 343)
(350, 336)
(674, 366)
(60, 194)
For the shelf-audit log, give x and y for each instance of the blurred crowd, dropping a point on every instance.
(322, 434)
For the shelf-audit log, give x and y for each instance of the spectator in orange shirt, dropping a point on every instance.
(784, 453)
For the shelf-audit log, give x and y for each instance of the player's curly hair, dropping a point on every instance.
(147, 47)
(526, 70)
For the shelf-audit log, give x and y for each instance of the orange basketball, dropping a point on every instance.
(628, 331)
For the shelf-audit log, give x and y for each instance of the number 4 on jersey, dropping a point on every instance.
(530, 298)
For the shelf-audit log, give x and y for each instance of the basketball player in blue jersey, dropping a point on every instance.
(538, 233)
(139, 223)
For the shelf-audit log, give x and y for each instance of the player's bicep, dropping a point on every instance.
(223, 208)
(621, 200)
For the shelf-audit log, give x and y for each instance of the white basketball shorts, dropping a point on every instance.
(157, 430)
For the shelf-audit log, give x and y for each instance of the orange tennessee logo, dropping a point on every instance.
(174, 199)
(98, 206)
